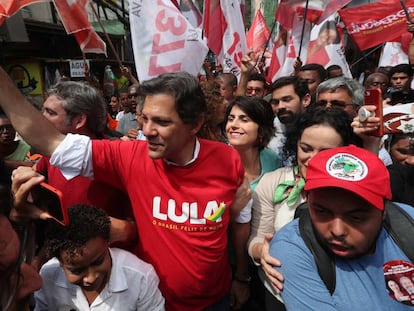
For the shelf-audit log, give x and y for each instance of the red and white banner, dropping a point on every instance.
(283, 65)
(10, 7)
(224, 29)
(74, 16)
(258, 33)
(317, 11)
(374, 23)
(278, 56)
(163, 40)
(392, 54)
(325, 46)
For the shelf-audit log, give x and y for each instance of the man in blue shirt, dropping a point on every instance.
(347, 189)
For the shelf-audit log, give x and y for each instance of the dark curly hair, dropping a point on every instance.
(338, 119)
(85, 223)
(211, 91)
(260, 111)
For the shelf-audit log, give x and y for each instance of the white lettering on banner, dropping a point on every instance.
(400, 15)
(76, 68)
(188, 211)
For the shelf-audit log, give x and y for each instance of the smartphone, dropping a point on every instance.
(374, 97)
(50, 199)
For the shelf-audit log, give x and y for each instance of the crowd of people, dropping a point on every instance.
(182, 193)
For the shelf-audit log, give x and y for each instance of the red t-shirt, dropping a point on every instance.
(171, 205)
(83, 190)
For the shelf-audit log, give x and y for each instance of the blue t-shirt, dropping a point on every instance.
(360, 283)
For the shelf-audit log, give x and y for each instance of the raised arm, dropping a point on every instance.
(28, 122)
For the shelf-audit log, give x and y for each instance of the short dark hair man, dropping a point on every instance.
(256, 85)
(290, 96)
(347, 188)
(313, 75)
(400, 77)
(182, 200)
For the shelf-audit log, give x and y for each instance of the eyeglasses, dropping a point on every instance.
(132, 95)
(337, 104)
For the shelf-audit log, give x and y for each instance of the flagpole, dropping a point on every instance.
(303, 27)
(406, 11)
(267, 42)
(106, 35)
(367, 54)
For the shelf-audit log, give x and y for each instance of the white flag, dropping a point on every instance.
(326, 47)
(392, 54)
(163, 40)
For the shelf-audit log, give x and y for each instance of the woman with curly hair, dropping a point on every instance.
(216, 108)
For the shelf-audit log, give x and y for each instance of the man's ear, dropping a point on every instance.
(197, 125)
(306, 100)
(80, 121)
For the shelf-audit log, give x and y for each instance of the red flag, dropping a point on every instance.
(10, 7)
(318, 10)
(258, 33)
(374, 23)
(278, 56)
(214, 25)
(74, 17)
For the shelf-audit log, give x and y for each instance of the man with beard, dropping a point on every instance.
(290, 97)
(347, 191)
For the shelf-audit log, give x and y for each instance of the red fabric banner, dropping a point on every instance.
(74, 16)
(10, 7)
(318, 10)
(258, 33)
(374, 23)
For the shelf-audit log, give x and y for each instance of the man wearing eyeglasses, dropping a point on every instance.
(256, 85)
(341, 93)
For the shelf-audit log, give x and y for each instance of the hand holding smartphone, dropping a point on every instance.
(49, 199)
(373, 97)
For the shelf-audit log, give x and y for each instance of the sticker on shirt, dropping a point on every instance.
(399, 281)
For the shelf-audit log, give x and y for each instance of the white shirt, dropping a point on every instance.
(73, 156)
(133, 285)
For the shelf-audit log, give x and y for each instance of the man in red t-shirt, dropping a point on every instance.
(183, 193)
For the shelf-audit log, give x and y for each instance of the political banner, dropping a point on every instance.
(163, 40)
